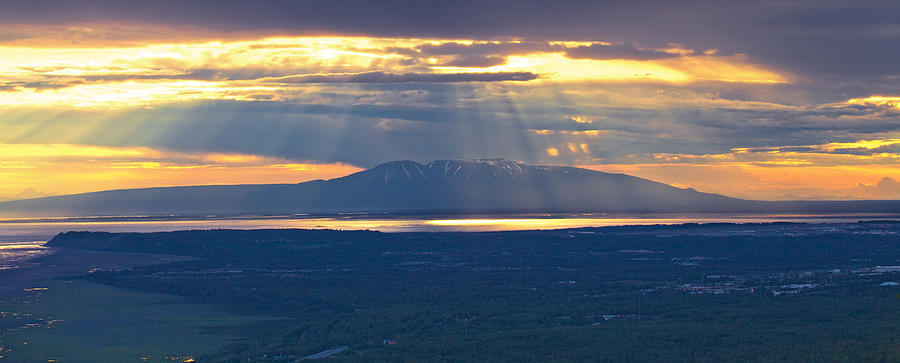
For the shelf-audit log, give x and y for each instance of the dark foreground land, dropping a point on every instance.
(726, 292)
(64, 262)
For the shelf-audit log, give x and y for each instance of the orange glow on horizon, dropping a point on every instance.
(69, 169)
(766, 183)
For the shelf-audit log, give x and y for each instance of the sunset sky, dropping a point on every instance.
(754, 99)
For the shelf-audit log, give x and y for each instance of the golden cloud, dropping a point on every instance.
(882, 101)
(93, 76)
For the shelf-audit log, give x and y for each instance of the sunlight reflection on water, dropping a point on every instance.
(17, 254)
(22, 239)
(42, 230)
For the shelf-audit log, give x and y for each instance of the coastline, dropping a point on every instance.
(70, 262)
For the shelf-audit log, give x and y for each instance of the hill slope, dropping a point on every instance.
(488, 185)
(443, 186)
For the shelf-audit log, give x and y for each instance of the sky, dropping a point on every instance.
(769, 100)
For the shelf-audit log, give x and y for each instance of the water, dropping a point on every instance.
(22, 240)
(18, 254)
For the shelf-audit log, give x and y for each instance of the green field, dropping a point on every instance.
(80, 321)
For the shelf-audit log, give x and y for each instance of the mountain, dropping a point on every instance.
(485, 185)
(442, 186)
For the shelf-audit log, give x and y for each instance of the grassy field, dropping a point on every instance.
(80, 321)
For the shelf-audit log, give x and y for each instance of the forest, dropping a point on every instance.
(693, 292)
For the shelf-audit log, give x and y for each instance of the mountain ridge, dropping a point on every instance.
(495, 168)
(441, 186)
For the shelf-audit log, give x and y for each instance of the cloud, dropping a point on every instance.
(444, 118)
(382, 77)
(886, 188)
(151, 74)
(617, 51)
(856, 148)
(495, 53)
(38, 86)
(26, 193)
(454, 80)
(832, 44)
(473, 54)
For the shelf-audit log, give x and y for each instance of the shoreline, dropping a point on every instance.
(71, 262)
(19, 231)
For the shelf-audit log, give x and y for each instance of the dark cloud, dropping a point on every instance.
(481, 48)
(829, 38)
(382, 77)
(277, 76)
(447, 120)
(403, 17)
(203, 74)
(808, 38)
(836, 49)
(795, 149)
(839, 17)
(486, 54)
(478, 54)
(621, 51)
(476, 61)
(39, 86)
(848, 151)
(893, 149)
(859, 151)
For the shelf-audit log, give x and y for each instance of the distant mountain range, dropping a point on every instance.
(443, 186)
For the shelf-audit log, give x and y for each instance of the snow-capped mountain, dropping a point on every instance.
(472, 170)
(441, 186)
